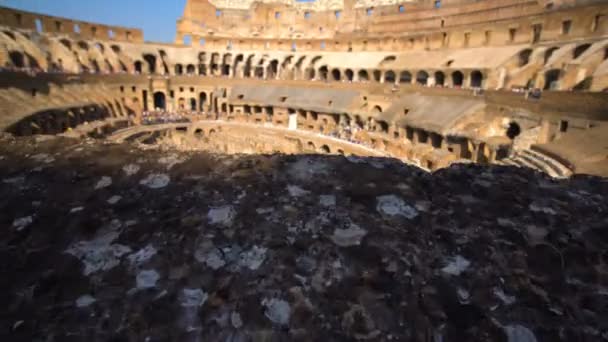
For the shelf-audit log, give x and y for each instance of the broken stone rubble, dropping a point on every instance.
(339, 262)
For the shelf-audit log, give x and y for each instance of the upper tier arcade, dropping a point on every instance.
(75, 29)
(360, 26)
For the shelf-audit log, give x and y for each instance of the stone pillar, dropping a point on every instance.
(544, 134)
(502, 76)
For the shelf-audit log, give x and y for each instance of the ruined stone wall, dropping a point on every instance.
(403, 26)
(75, 29)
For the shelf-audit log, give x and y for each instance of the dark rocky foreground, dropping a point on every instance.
(109, 243)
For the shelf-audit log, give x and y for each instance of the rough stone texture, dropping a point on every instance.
(536, 249)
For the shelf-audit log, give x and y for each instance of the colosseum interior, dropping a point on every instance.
(455, 149)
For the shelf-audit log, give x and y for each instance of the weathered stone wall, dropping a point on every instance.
(75, 29)
(376, 27)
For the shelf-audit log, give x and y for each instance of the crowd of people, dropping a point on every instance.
(160, 116)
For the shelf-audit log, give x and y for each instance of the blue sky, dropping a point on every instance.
(156, 17)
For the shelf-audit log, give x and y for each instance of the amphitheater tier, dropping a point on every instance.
(430, 83)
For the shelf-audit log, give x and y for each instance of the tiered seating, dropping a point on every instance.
(540, 162)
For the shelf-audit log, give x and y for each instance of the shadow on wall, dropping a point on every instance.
(56, 121)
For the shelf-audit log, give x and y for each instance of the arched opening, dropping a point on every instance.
(422, 77)
(202, 100)
(548, 53)
(193, 104)
(272, 70)
(202, 69)
(524, 57)
(323, 73)
(335, 75)
(179, 69)
(389, 77)
(382, 126)
(349, 75)
(324, 149)
(259, 72)
(377, 109)
(310, 74)
(151, 60)
(95, 65)
(363, 76)
(377, 75)
(190, 69)
(457, 78)
(552, 79)
(476, 79)
(405, 77)
(83, 45)
(439, 78)
(579, 50)
(248, 66)
(17, 59)
(66, 43)
(513, 130)
(311, 146)
(159, 100)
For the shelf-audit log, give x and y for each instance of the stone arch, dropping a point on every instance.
(151, 60)
(83, 45)
(349, 75)
(273, 69)
(377, 75)
(579, 50)
(325, 149)
(363, 75)
(552, 79)
(323, 73)
(548, 53)
(190, 69)
(476, 79)
(160, 100)
(335, 74)
(67, 43)
(389, 77)
(237, 60)
(405, 77)
(193, 104)
(310, 74)
(439, 78)
(422, 77)
(314, 60)
(457, 78)
(138, 67)
(523, 57)
(248, 70)
(377, 109)
(17, 59)
(179, 69)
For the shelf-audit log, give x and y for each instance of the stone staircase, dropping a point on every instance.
(538, 161)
